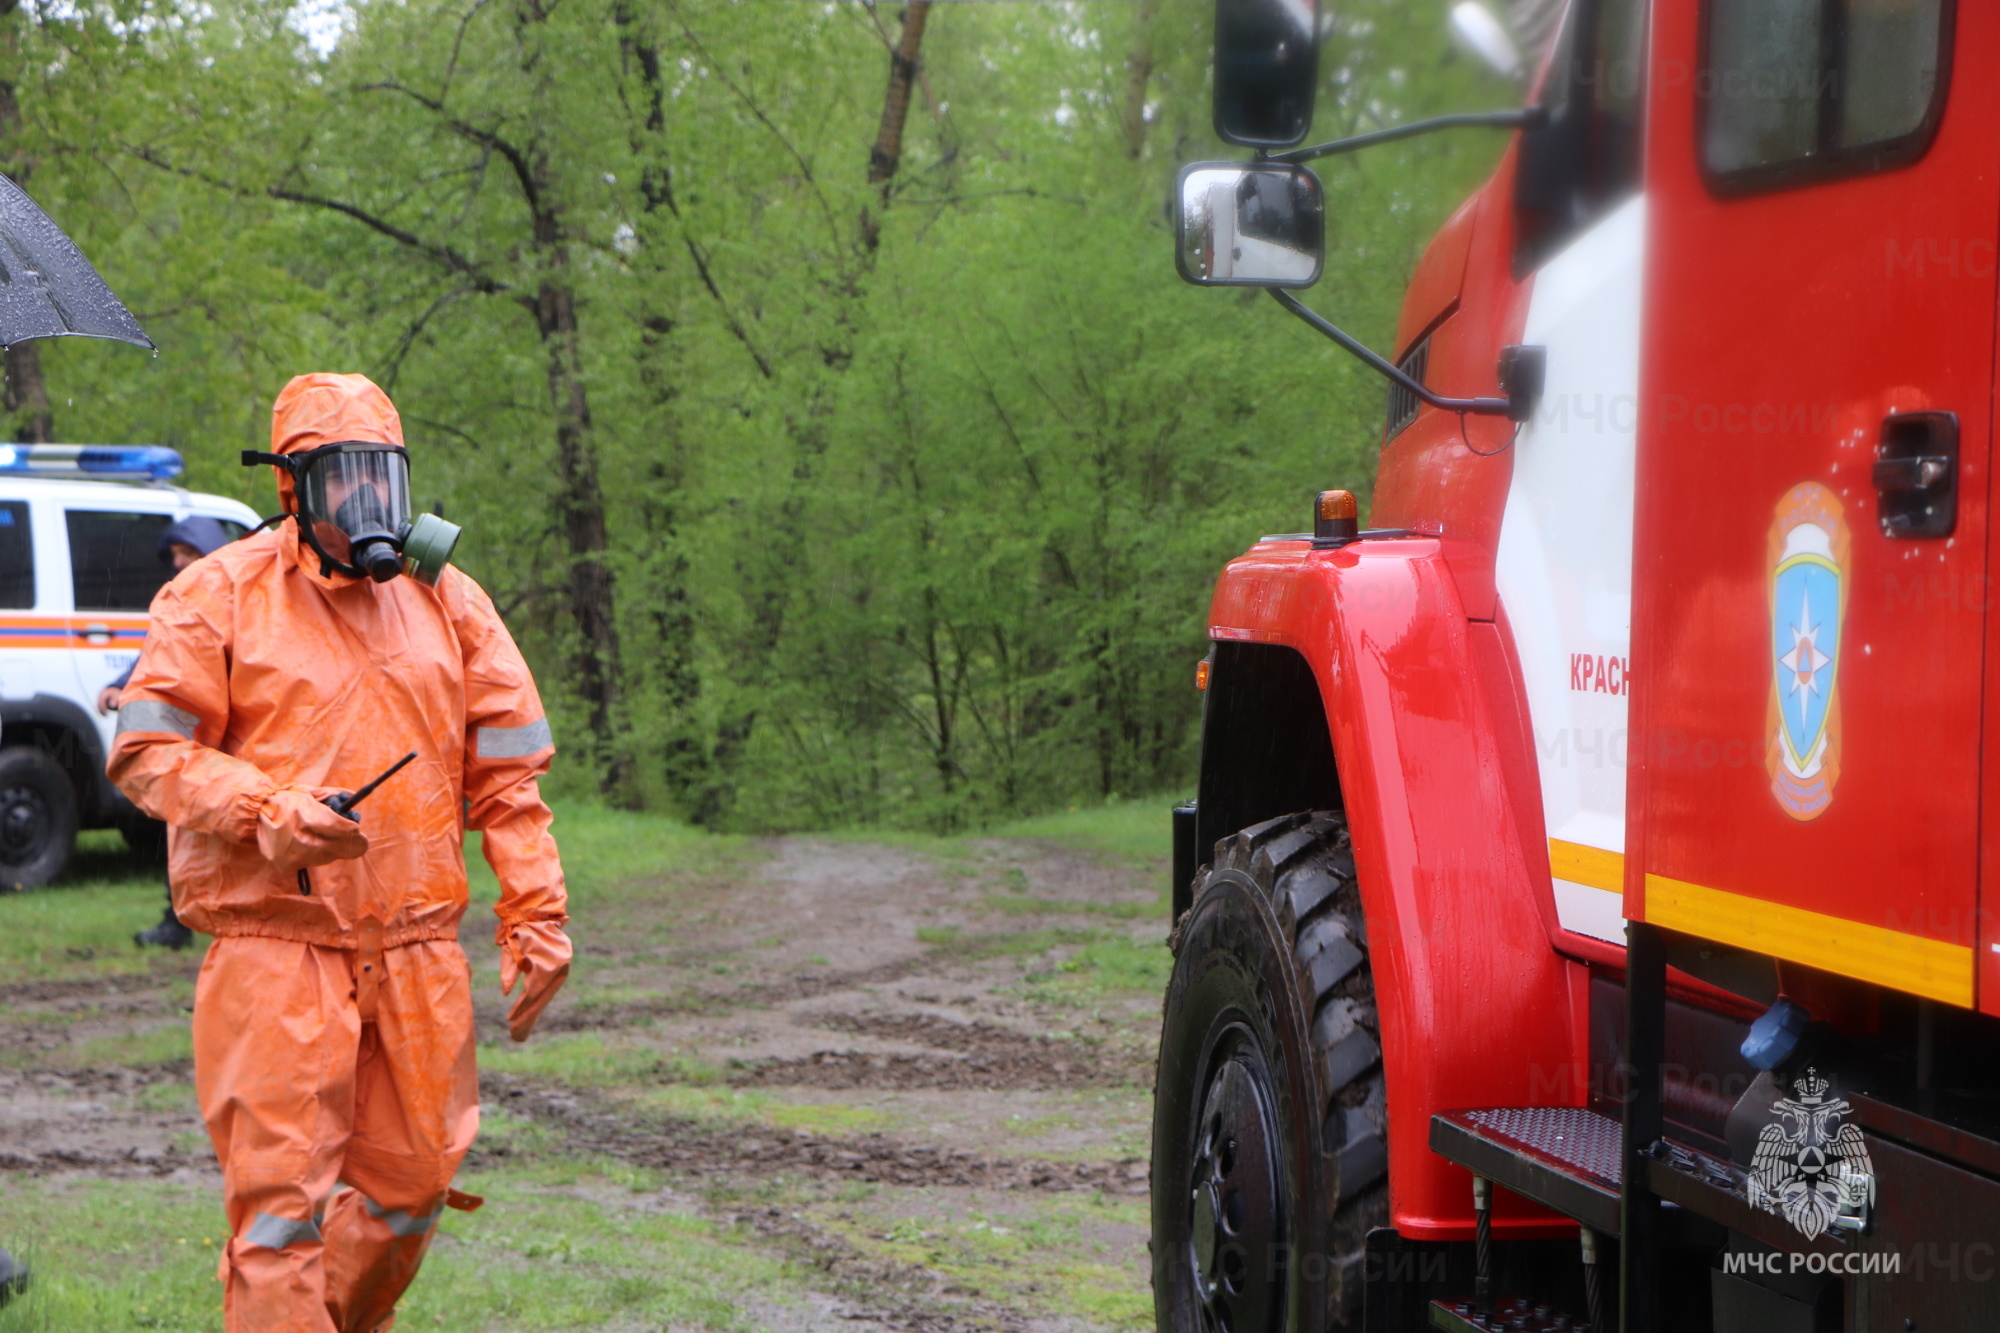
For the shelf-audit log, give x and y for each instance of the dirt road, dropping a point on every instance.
(916, 1076)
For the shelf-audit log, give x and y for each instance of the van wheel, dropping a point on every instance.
(1270, 1154)
(37, 818)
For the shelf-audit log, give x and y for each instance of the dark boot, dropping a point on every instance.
(169, 934)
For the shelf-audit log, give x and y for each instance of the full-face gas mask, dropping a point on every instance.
(354, 511)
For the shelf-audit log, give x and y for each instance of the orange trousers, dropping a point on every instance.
(318, 1066)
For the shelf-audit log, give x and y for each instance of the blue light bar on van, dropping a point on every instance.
(91, 462)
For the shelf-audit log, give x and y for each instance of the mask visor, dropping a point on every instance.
(357, 498)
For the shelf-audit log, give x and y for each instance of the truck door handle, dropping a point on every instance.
(1911, 474)
(97, 634)
(1916, 474)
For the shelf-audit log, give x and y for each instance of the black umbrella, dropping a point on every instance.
(47, 288)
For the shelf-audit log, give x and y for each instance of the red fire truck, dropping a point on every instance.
(1581, 918)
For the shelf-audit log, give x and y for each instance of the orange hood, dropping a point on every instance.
(324, 408)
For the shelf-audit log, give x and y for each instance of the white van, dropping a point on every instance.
(80, 528)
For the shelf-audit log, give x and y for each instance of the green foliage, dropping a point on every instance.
(909, 496)
(1135, 830)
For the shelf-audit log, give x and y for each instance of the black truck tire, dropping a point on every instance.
(37, 818)
(1270, 1150)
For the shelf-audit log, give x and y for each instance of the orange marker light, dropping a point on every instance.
(1336, 518)
(1201, 674)
(1337, 505)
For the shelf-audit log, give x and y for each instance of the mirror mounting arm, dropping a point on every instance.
(1526, 118)
(1492, 407)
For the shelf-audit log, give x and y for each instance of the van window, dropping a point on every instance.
(1794, 90)
(114, 562)
(17, 556)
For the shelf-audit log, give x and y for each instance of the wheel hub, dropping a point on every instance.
(1236, 1231)
(24, 823)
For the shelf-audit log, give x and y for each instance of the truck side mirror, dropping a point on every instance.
(1260, 224)
(1266, 65)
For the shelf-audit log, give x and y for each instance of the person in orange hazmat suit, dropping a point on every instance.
(333, 1022)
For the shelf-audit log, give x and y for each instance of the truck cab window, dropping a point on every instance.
(1585, 159)
(17, 557)
(1792, 90)
(114, 559)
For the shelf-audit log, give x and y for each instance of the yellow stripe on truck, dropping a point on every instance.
(1908, 963)
(1590, 866)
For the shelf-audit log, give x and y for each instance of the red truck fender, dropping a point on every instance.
(1431, 747)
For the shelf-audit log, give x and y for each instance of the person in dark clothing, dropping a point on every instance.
(181, 544)
(13, 1276)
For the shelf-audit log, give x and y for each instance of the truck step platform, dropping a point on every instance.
(1567, 1158)
(1562, 1157)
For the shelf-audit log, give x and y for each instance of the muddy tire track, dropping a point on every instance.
(112, 986)
(759, 995)
(591, 1124)
(985, 1057)
(894, 1295)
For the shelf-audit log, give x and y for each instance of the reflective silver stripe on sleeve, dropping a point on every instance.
(275, 1233)
(515, 742)
(151, 715)
(399, 1222)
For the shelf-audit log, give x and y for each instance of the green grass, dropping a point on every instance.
(581, 1059)
(1134, 830)
(1057, 1254)
(580, 1245)
(82, 926)
(1111, 964)
(613, 856)
(742, 1106)
(165, 1044)
(669, 1084)
(1021, 905)
(1003, 945)
(570, 1242)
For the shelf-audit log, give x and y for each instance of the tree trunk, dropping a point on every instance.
(699, 770)
(580, 503)
(888, 149)
(26, 395)
(1138, 78)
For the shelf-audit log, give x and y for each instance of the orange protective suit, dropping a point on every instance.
(333, 1027)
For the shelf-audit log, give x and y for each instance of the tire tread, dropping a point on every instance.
(1304, 864)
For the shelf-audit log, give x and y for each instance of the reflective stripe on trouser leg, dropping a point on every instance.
(373, 1254)
(399, 1222)
(278, 1233)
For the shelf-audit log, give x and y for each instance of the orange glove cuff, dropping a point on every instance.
(536, 953)
(295, 831)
